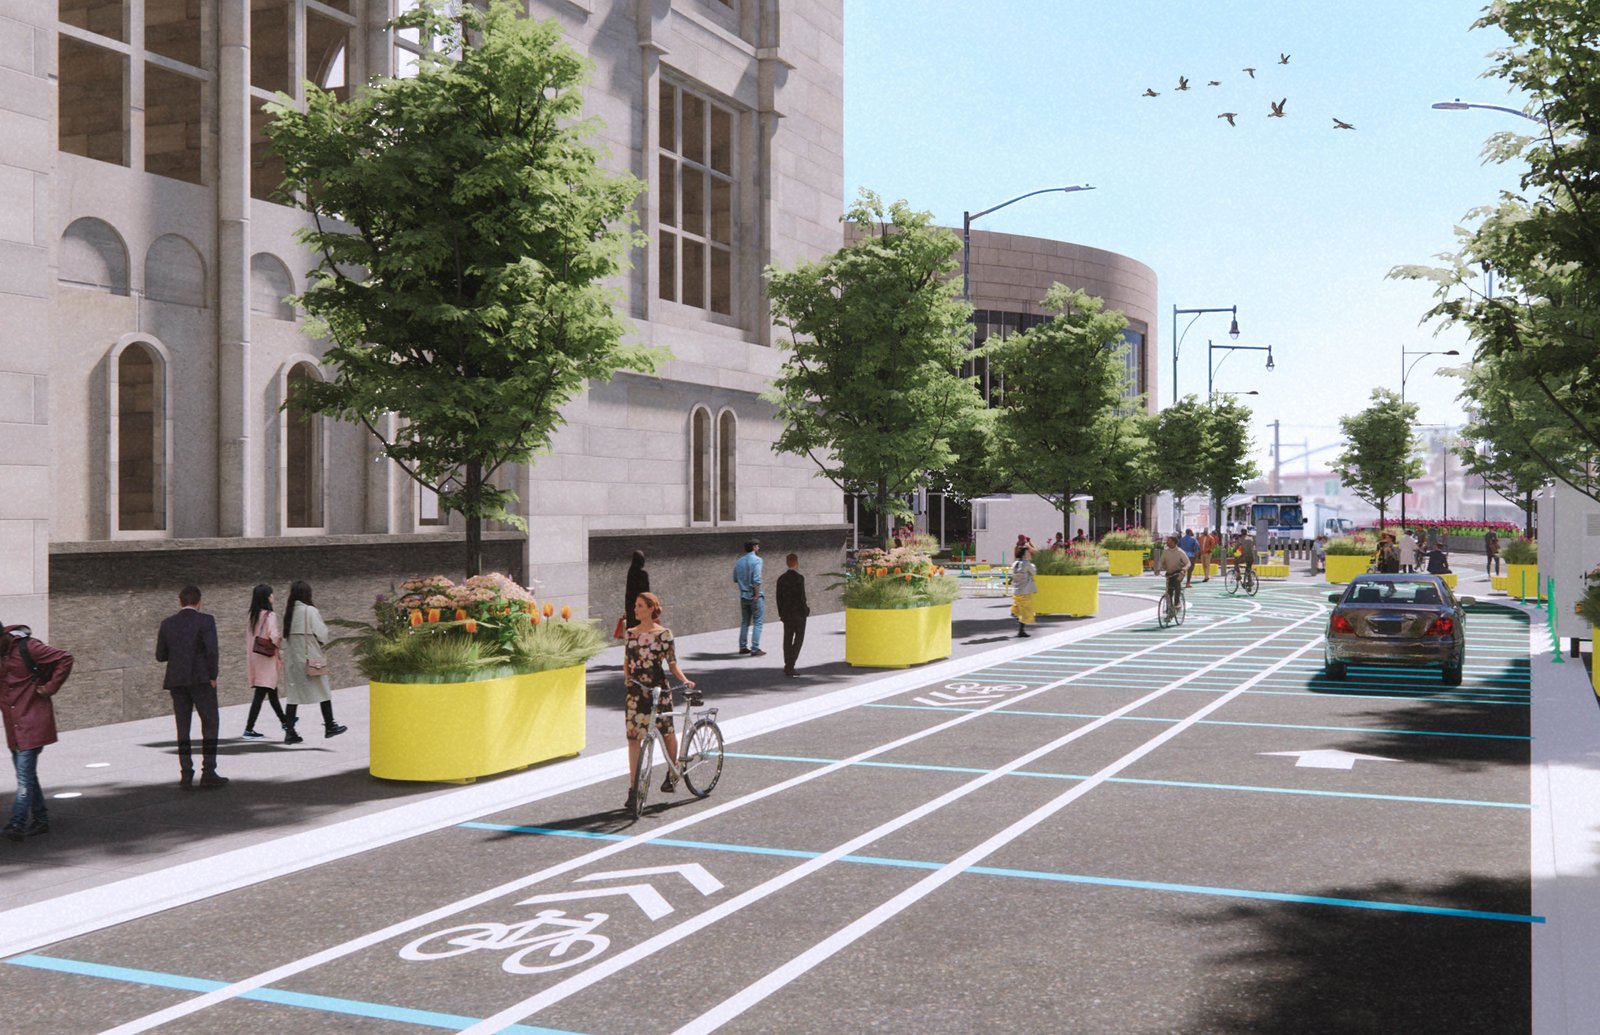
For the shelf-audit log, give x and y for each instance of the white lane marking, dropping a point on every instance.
(694, 873)
(583, 979)
(645, 896)
(1327, 758)
(395, 930)
(755, 992)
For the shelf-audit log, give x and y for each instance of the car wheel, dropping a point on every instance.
(1333, 669)
(1452, 675)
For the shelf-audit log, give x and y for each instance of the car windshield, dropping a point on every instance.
(1420, 591)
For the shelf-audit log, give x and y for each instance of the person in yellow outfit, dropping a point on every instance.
(1023, 588)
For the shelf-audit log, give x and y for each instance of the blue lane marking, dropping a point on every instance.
(1067, 878)
(1203, 722)
(969, 770)
(325, 1004)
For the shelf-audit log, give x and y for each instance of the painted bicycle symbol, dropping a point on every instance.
(969, 693)
(541, 944)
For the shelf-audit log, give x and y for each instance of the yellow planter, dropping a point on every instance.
(1449, 579)
(1272, 571)
(1344, 567)
(456, 732)
(1522, 581)
(1497, 582)
(896, 638)
(1077, 595)
(1127, 562)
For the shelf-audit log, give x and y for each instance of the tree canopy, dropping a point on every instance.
(1378, 460)
(463, 227)
(1225, 463)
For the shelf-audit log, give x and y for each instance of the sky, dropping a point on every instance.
(957, 106)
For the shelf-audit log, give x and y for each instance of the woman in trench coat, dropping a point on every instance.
(304, 633)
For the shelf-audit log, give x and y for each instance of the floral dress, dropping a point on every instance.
(649, 656)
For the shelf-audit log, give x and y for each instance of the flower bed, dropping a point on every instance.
(894, 579)
(897, 608)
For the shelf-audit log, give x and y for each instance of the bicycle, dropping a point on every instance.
(699, 761)
(1172, 608)
(1234, 580)
(494, 937)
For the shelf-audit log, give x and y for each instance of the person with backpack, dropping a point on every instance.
(30, 674)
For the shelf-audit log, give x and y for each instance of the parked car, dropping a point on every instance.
(1409, 620)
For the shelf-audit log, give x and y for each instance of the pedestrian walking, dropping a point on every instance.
(1208, 546)
(1319, 554)
(305, 666)
(1388, 558)
(747, 576)
(1023, 588)
(264, 659)
(1191, 548)
(647, 655)
(792, 611)
(31, 672)
(638, 582)
(187, 642)
(1491, 550)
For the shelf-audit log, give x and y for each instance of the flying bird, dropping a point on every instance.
(1213, 82)
(1149, 93)
(1183, 83)
(1229, 115)
(1340, 124)
(1277, 109)
(1250, 70)
(1283, 59)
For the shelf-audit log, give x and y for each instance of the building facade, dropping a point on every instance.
(149, 346)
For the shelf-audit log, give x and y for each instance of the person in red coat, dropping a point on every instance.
(30, 720)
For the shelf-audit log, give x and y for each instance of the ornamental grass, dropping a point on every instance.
(1358, 545)
(1134, 538)
(1520, 551)
(904, 577)
(1589, 602)
(1074, 560)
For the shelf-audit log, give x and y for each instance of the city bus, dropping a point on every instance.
(1284, 515)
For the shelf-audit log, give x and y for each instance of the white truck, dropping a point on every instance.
(1325, 520)
(1569, 548)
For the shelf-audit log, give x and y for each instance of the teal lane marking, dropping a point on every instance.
(1209, 722)
(1188, 784)
(1066, 878)
(325, 1004)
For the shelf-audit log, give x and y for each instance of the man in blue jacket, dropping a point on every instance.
(747, 575)
(187, 642)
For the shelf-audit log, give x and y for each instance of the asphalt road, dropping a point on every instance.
(1148, 830)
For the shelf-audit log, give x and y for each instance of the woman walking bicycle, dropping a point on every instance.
(647, 655)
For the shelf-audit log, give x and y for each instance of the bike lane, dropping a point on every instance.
(1061, 902)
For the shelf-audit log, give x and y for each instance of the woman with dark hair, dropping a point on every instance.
(647, 655)
(30, 674)
(638, 582)
(264, 659)
(304, 633)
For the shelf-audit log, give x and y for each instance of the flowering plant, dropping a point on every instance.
(1134, 538)
(1357, 545)
(903, 577)
(1073, 560)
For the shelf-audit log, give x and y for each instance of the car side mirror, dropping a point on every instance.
(1335, 597)
(1466, 601)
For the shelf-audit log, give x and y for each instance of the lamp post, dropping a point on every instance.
(1177, 339)
(966, 231)
(1405, 373)
(1230, 349)
(1459, 105)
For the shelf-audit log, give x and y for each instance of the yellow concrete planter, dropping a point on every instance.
(1077, 595)
(1497, 582)
(1343, 567)
(1272, 571)
(457, 732)
(1127, 562)
(896, 637)
(1522, 581)
(1449, 579)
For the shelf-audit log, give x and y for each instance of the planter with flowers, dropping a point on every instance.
(1589, 607)
(1069, 580)
(1522, 569)
(472, 679)
(1347, 556)
(896, 609)
(1126, 550)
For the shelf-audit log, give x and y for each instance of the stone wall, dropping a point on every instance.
(691, 570)
(107, 600)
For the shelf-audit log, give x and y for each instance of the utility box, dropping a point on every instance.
(1569, 547)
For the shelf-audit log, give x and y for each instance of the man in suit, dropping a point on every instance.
(792, 611)
(187, 642)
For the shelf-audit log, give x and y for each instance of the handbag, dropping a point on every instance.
(622, 627)
(316, 667)
(265, 647)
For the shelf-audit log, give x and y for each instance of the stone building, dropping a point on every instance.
(147, 346)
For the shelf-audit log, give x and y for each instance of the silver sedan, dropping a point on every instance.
(1411, 620)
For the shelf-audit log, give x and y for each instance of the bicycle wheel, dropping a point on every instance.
(1182, 610)
(641, 779)
(702, 757)
(460, 940)
(1230, 580)
(1251, 583)
(556, 949)
(1161, 611)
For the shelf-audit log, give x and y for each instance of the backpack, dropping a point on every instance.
(20, 637)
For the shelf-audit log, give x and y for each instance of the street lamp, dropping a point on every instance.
(1250, 392)
(1459, 105)
(1230, 349)
(1177, 339)
(966, 231)
(1405, 372)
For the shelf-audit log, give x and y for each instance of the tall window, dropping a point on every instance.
(140, 420)
(292, 41)
(700, 465)
(409, 46)
(92, 100)
(695, 168)
(302, 456)
(713, 467)
(727, 466)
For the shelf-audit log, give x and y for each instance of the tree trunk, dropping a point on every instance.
(884, 528)
(1066, 513)
(474, 518)
(1527, 517)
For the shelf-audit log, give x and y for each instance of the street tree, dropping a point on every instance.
(870, 391)
(1379, 461)
(1058, 430)
(1180, 440)
(1225, 464)
(463, 227)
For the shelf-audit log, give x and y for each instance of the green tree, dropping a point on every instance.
(462, 228)
(1058, 431)
(1379, 461)
(878, 330)
(1225, 463)
(1510, 443)
(1180, 441)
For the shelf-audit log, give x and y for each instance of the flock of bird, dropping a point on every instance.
(1277, 107)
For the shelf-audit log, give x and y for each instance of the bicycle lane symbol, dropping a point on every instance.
(550, 939)
(958, 694)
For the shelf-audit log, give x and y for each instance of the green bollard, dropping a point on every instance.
(1550, 617)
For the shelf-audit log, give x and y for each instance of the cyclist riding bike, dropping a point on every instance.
(1244, 554)
(1174, 563)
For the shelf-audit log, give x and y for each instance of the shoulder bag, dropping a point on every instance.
(315, 666)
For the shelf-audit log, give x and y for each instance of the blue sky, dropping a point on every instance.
(958, 106)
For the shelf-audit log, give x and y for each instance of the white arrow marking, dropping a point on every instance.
(694, 873)
(644, 896)
(1328, 758)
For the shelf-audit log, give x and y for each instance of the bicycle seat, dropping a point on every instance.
(696, 700)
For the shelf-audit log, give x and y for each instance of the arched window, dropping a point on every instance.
(174, 272)
(93, 256)
(700, 465)
(302, 455)
(270, 285)
(727, 466)
(139, 443)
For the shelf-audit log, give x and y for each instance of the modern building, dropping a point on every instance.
(148, 345)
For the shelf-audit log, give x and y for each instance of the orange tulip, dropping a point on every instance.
(549, 609)
(433, 614)
(897, 571)
(534, 618)
(416, 618)
(566, 614)
(530, 606)
(461, 615)
(472, 626)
